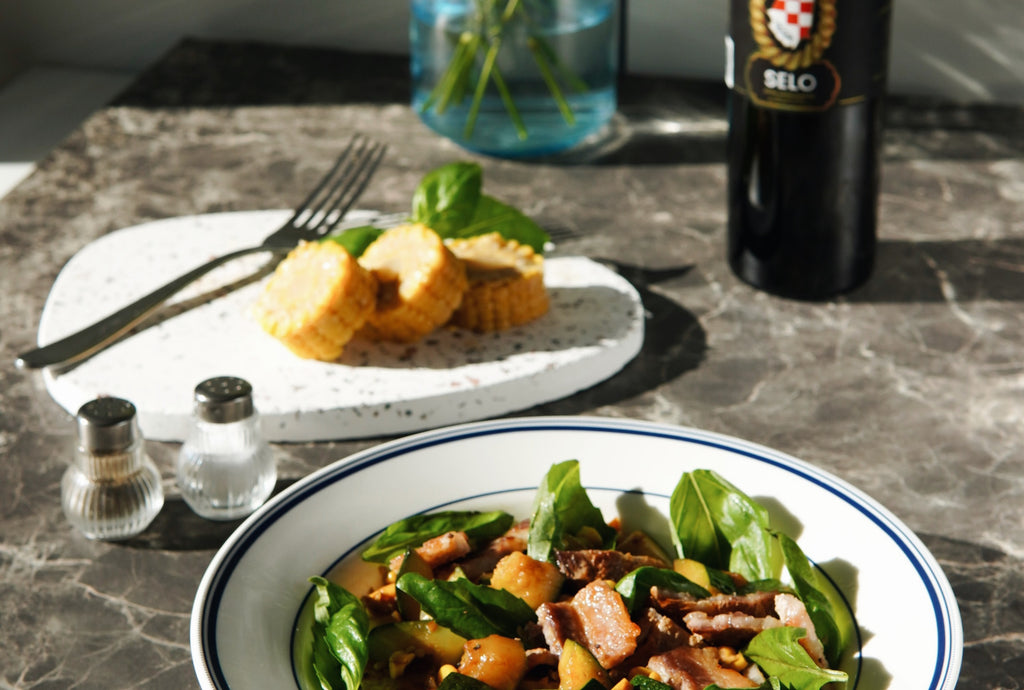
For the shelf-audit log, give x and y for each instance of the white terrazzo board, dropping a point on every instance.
(594, 328)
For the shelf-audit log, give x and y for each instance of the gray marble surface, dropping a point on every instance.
(911, 388)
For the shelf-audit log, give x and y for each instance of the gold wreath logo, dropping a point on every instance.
(805, 56)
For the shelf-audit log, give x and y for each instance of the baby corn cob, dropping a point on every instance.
(506, 283)
(317, 298)
(421, 283)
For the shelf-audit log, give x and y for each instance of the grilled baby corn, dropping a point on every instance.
(317, 298)
(506, 283)
(420, 283)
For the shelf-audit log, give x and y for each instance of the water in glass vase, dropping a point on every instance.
(514, 78)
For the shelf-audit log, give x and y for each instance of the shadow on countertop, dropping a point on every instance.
(946, 271)
(674, 343)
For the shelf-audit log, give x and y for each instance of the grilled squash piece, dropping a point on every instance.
(420, 283)
(317, 298)
(506, 283)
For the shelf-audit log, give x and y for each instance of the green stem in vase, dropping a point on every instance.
(483, 39)
(549, 79)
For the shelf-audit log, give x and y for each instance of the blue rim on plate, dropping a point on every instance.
(948, 626)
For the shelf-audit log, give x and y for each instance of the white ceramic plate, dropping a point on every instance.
(594, 327)
(245, 611)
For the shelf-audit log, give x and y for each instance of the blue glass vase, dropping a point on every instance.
(515, 78)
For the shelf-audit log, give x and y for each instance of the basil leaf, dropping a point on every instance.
(721, 526)
(355, 240)
(635, 588)
(561, 509)
(492, 215)
(470, 610)
(642, 682)
(325, 665)
(832, 620)
(459, 681)
(446, 197)
(779, 654)
(343, 626)
(413, 531)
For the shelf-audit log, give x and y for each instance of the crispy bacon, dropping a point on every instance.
(677, 604)
(596, 618)
(658, 634)
(484, 560)
(694, 668)
(793, 613)
(732, 629)
(585, 565)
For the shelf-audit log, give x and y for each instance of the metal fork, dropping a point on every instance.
(316, 216)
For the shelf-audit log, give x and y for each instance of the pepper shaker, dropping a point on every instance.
(225, 469)
(112, 489)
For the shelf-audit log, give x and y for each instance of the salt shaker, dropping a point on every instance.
(225, 468)
(112, 489)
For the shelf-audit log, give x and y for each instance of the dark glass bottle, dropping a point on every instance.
(803, 148)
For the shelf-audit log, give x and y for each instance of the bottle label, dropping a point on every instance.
(809, 55)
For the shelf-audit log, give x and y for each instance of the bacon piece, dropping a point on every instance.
(585, 565)
(693, 668)
(678, 604)
(658, 634)
(438, 551)
(793, 613)
(596, 618)
(732, 629)
(484, 560)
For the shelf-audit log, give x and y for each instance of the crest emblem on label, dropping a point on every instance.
(808, 55)
(788, 69)
(790, 21)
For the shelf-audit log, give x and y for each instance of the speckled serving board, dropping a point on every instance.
(593, 328)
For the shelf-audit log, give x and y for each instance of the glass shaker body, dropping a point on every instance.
(112, 489)
(225, 469)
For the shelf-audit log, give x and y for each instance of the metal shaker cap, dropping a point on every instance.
(223, 399)
(107, 425)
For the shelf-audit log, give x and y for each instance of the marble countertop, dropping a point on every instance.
(911, 388)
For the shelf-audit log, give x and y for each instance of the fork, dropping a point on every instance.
(316, 216)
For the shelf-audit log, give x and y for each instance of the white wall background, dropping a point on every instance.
(970, 50)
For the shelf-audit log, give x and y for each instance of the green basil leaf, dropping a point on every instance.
(642, 682)
(446, 197)
(355, 240)
(470, 610)
(779, 654)
(325, 665)
(413, 531)
(635, 588)
(721, 526)
(492, 215)
(343, 626)
(561, 509)
(832, 620)
(459, 681)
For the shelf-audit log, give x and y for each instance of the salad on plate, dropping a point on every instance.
(566, 599)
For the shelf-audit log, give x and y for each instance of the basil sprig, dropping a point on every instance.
(470, 610)
(340, 630)
(561, 509)
(450, 201)
(779, 652)
(413, 531)
(720, 526)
